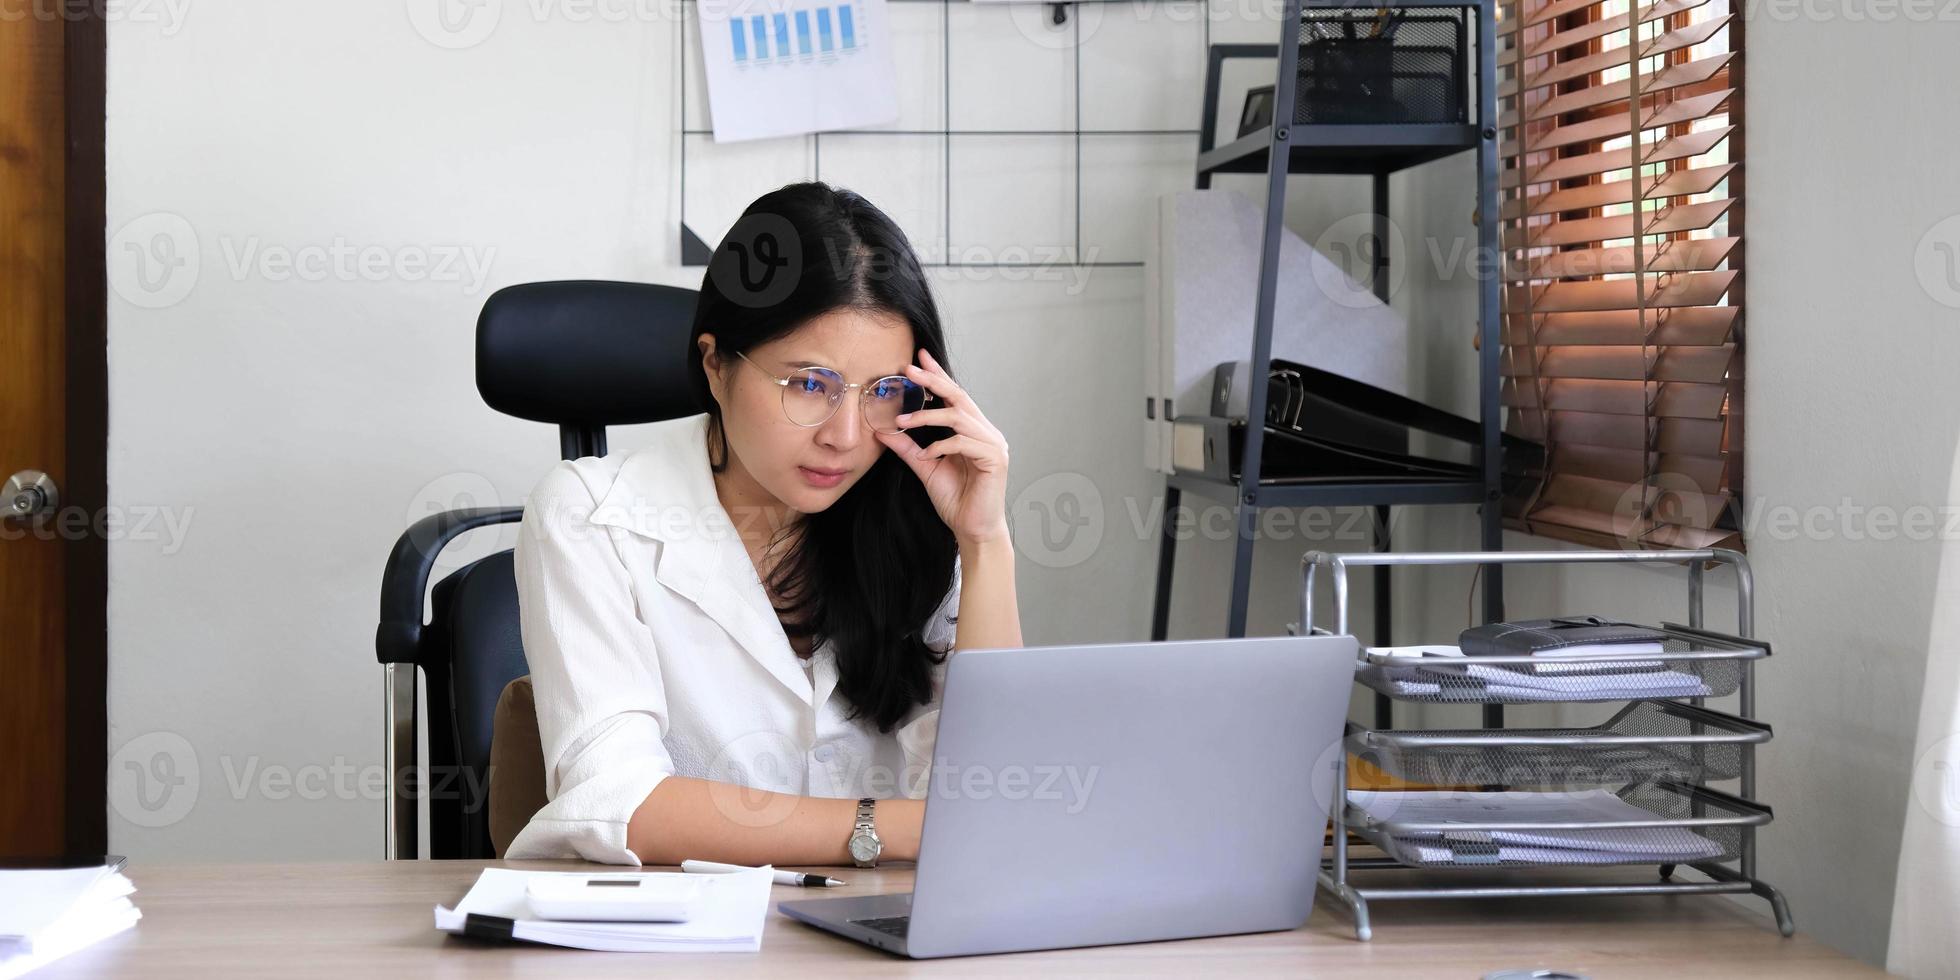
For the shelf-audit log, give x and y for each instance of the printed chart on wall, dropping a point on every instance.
(789, 67)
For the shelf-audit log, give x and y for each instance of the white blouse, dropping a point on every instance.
(654, 650)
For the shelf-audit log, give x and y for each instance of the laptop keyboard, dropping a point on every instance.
(890, 925)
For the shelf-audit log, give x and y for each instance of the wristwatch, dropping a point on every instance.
(865, 844)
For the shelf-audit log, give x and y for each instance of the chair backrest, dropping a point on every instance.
(477, 607)
(583, 355)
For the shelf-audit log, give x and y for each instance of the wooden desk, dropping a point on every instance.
(373, 920)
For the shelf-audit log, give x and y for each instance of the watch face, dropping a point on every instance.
(863, 848)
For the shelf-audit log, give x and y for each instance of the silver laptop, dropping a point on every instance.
(1118, 793)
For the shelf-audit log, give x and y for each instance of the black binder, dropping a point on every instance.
(1323, 427)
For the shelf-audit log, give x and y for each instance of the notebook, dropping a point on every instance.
(47, 913)
(730, 919)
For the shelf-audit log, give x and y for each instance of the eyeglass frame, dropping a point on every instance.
(782, 381)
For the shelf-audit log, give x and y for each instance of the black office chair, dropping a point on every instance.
(582, 356)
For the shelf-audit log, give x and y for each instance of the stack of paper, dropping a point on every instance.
(1443, 672)
(47, 914)
(1575, 845)
(729, 919)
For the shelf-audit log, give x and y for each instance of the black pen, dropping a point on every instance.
(798, 879)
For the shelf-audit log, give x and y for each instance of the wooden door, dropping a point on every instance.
(52, 420)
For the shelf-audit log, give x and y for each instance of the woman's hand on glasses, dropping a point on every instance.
(965, 474)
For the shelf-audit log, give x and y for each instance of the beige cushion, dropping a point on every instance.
(516, 764)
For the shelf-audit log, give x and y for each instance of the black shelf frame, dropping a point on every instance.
(1323, 148)
(1378, 151)
(1346, 493)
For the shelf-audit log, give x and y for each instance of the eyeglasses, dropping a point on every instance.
(811, 395)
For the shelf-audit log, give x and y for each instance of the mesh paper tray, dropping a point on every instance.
(1646, 740)
(1693, 663)
(1416, 72)
(1713, 824)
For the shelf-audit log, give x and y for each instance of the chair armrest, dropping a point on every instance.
(406, 580)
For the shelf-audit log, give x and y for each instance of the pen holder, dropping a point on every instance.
(1365, 68)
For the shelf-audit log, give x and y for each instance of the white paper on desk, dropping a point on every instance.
(33, 900)
(788, 67)
(46, 914)
(729, 920)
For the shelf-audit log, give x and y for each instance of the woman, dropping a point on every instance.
(737, 634)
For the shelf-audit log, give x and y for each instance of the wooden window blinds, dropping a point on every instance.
(1621, 223)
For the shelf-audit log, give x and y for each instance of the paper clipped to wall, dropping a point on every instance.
(789, 67)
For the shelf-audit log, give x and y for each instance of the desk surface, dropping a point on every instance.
(374, 919)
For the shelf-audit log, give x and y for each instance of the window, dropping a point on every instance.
(1622, 235)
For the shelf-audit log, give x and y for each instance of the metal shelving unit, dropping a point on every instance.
(1655, 753)
(1343, 148)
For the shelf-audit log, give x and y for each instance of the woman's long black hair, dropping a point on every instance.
(868, 571)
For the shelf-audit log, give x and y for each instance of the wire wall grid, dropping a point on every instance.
(696, 250)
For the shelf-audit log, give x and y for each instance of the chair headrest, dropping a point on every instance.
(586, 353)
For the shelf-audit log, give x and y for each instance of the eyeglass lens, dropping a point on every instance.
(813, 395)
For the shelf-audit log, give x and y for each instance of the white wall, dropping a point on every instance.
(293, 423)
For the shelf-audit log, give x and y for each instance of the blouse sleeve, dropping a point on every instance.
(601, 706)
(919, 731)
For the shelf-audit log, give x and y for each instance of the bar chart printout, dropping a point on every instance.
(790, 67)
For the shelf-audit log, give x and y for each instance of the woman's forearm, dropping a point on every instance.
(689, 819)
(686, 818)
(990, 611)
